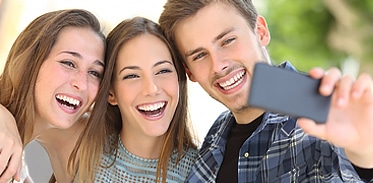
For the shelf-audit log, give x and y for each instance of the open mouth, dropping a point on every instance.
(68, 102)
(152, 110)
(234, 81)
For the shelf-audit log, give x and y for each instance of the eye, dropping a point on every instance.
(95, 74)
(164, 71)
(199, 56)
(68, 63)
(227, 41)
(130, 76)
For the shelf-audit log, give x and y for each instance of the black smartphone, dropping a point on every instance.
(287, 92)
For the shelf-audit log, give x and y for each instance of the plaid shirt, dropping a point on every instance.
(277, 151)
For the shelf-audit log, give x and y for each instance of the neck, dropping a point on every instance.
(40, 129)
(247, 115)
(59, 144)
(145, 147)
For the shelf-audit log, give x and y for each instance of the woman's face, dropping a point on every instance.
(145, 87)
(69, 78)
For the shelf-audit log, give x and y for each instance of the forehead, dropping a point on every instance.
(142, 50)
(82, 40)
(206, 24)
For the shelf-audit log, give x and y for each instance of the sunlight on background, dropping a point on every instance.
(15, 15)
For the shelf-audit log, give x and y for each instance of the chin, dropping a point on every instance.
(159, 133)
(238, 107)
(63, 126)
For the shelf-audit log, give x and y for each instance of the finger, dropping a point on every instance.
(8, 173)
(5, 178)
(343, 90)
(312, 128)
(12, 159)
(316, 73)
(17, 176)
(4, 159)
(363, 84)
(329, 81)
(14, 166)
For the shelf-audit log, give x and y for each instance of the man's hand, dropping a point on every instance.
(350, 119)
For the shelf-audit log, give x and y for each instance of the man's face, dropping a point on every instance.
(220, 50)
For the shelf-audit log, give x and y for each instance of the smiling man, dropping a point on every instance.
(219, 42)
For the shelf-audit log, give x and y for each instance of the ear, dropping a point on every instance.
(111, 99)
(190, 75)
(262, 31)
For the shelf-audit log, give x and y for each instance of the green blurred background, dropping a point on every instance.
(321, 33)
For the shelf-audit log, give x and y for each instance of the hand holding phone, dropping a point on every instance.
(286, 92)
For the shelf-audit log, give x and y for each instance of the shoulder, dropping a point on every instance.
(188, 154)
(221, 121)
(191, 152)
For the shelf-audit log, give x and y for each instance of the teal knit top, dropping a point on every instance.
(131, 168)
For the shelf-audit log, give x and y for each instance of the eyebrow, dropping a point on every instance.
(163, 62)
(217, 38)
(138, 68)
(78, 55)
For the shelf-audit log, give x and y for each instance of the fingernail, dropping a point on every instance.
(341, 102)
(355, 94)
(326, 88)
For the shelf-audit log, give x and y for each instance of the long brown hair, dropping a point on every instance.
(29, 51)
(178, 136)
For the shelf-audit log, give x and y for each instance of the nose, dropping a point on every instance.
(219, 63)
(150, 86)
(80, 81)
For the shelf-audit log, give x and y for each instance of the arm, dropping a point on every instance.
(10, 146)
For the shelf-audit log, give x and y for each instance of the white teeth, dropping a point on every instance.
(70, 107)
(233, 82)
(69, 100)
(152, 107)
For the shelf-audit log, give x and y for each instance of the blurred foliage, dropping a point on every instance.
(363, 6)
(300, 30)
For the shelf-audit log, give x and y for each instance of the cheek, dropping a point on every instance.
(173, 87)
(93, 91)
(38, 92)
(46, 82)
(201, 70)
(126, 93)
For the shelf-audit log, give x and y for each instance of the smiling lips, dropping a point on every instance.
(152, 110)
(233, 82)
(68, 102)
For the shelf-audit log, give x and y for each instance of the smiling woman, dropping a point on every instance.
(58, 60)
(145, 109)
(16, 14)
